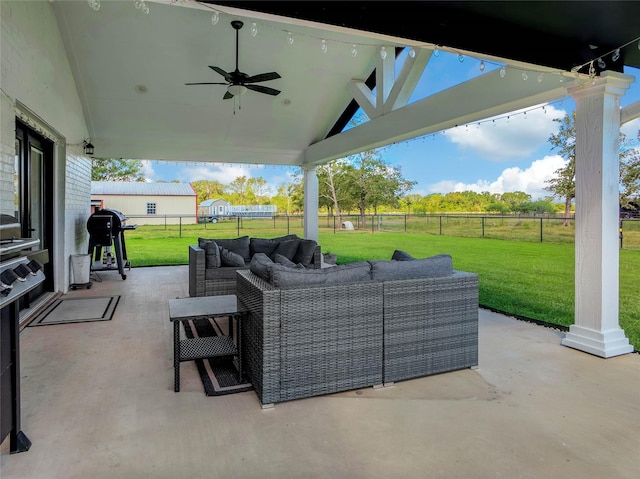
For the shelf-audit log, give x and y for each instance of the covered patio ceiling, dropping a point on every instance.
(131, 69)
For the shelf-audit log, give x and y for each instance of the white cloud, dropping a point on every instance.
(512, 138)
(530, 180)
(148, 171)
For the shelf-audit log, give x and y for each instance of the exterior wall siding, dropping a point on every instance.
(169, 209)
(36, 84)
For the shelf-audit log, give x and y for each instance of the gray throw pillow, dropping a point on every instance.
(287, 249)
(399, 255)
(304, 253)
(211, 253)
(229, 258)
(284, 261)
(237, 245)
(292, 278)
(261, 266)
(433, 266)
(267, 245)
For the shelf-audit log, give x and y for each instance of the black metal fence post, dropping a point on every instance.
(540, 230)
(483, 218)
(180, 228)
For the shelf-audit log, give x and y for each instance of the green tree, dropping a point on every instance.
(106, 169)
(208, 190)
(629, 172)
(563, 185)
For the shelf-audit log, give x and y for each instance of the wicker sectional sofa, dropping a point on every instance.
(213, 262)
(333, 335)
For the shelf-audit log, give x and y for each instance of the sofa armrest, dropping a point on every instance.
(197, 267)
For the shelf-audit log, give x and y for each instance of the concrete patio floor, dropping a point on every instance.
(98, 403)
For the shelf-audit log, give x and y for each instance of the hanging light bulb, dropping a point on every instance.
(323, 46)
(503, 72)
(436, 52)
(95, 4)
(290, 38)
(460, 57)
(616, 55)
(412, 52)
(601, 64)
(254, 29)
(383, 52)
(540, 77)
(215, 18)
(481, 65)
(525, 76)
(354, 50)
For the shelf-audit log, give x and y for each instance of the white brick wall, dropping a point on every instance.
(36, 78)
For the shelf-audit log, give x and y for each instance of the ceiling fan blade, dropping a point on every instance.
(263, 89)
(227, 96)
(263, 77)
(221, 72)
(205, 83)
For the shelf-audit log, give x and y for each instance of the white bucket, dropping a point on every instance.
(80, 268)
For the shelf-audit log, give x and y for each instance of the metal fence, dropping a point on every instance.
(547, 228)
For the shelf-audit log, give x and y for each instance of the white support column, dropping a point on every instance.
(310, 203)
(596, 329)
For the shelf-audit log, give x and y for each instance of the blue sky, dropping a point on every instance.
(511, 153)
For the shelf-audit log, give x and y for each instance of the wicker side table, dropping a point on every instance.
(184, 309)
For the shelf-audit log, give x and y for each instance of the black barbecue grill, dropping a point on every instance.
(106, 229)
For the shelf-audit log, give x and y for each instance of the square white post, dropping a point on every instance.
(311, 204)
(597, 329)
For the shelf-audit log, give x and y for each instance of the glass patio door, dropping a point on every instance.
(33, 197)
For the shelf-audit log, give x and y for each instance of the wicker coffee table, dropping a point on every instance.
(184, 309)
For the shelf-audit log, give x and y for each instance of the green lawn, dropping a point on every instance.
(532, 280)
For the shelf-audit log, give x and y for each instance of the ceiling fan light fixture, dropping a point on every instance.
(236, 90)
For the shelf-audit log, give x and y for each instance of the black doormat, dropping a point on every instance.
(77, 310)
(219, 375)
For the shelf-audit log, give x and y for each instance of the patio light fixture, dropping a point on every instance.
(88, 147)
(236, 90)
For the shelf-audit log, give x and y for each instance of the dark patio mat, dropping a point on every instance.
(77, 310)
(219, 375)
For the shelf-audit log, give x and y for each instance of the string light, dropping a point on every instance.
(412, 52)
(540, 77)
(215, 18)
(290, 38)
(383, 52)
(95, 4)
(481, 65)
(525, 76)
(323, 46)
(503, 72)
(460, 57)
(616, 55)
(354, 50)
(254, 29)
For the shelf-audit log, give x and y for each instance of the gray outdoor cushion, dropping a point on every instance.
(439, 265)
(284, 261)
(267, 245)
(261, 266)
(211, 253)
(287, 249)
(399, 255)
(237, 245)
(304, 253)
(229, 258)
(290, 278)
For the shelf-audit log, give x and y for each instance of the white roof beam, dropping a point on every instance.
(630, 112)
(407, 80)
(483, 97)
(364, 96)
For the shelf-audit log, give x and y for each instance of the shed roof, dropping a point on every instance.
(141, 188)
